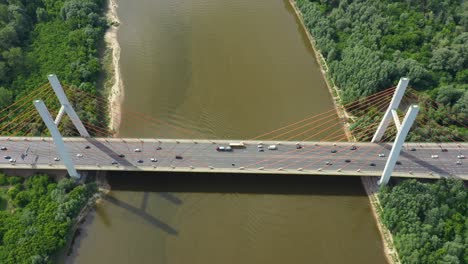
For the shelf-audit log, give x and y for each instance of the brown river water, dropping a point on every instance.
(231, 70)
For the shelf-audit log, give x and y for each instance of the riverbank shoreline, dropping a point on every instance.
(113, 90)
(372, 188)
(369, 183)
(332, 89)
(114, 87)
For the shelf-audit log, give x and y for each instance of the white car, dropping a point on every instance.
(461, 157)
(434, 156)
(153, 160)
(272, 147)
(79, 155)
(12, 160)
(56, 159)
(137, 150)
(381, 155)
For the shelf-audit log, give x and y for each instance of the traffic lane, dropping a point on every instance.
(284, 152)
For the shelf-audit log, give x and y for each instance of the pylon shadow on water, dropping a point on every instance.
(144, 215)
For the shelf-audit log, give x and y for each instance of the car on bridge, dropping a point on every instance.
(223, 148)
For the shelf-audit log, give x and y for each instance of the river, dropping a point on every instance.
(222, 69)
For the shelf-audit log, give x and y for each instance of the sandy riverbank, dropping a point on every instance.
(372, 188)
(116, 90)
(334, 91)
(369, 183)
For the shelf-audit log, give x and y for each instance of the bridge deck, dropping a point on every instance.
(201, 156)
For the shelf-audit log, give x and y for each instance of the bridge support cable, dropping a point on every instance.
(398, 144)
(57, 137)
(391, 110)
(66, 107)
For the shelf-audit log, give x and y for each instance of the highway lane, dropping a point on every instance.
(201, 155)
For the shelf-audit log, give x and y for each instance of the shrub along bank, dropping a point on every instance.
(370, 44)
(39, 217)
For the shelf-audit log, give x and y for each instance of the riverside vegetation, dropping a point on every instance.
(429, 222)
(39, 37)
(36, 216)
(369, 44)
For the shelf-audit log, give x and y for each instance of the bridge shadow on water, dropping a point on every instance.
(166, 183)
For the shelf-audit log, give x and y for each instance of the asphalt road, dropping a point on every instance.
(201, 155)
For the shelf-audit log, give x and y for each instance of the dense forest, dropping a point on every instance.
(39, 37)
(36, 216)
(429, 221)
(370, 44)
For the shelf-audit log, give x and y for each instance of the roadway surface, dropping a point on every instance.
(315, 158)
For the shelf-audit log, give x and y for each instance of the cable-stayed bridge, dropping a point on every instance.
(287, 150)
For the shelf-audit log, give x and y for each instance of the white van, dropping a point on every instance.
(272, 147)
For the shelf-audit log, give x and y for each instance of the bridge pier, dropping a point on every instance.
(398, 144)
(52, 124)
(391, 110)
(66, 106)
(58, 140)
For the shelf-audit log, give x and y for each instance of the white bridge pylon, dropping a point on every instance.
(52, 124)
(402, 128)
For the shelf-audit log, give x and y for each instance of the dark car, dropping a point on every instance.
(121, 156)
(178, 157)
(7, 157)
(87, 147)
(333, 151)
(372, 164)
(444, 150)
(412, 149)
(158, 148)
(140, 161)
(298, 146)
(398, 162)
(347, 160)
(353, 148)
